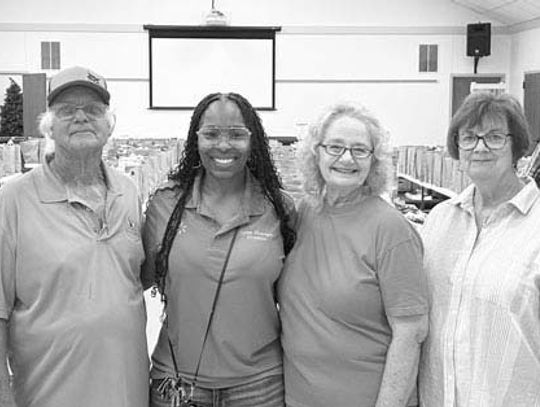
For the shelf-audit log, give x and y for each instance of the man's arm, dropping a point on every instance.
(6, 395)
(401, 368)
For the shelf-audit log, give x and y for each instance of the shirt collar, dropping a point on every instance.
(525, 199)
(51, 189)
(522, 201)
(464, 199)
(254, 201)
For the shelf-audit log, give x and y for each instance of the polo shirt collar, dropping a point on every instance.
(50, 189)
(522, 201)
(254, 200)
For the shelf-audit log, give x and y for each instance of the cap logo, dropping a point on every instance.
(77, 76)
(92, 78)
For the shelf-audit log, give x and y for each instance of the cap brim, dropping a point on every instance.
(103, 93)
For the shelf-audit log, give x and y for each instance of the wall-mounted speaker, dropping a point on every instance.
(478, 40)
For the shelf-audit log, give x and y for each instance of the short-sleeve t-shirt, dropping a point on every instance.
(70, 290)
(351, 267)
(243, 342)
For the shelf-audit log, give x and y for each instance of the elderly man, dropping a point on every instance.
(72, 315)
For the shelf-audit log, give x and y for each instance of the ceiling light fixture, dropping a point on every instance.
(215, 17)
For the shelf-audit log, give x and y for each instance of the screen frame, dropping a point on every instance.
(216, 32)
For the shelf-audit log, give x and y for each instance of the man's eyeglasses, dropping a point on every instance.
(93, 110)
(493, 141)
(233, 134)
(337, 150)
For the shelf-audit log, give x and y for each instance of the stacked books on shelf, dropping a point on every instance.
(146, 161)
(32, 152)
(433, 166)
(16, 158)
(286, 162)
(10, 159)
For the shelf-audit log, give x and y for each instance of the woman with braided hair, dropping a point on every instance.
(215, 238)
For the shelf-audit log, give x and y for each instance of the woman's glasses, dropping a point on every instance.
(493, 141)
(67, 111)
(337, 150)
(233, 135)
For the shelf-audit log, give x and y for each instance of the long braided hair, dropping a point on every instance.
(259, 163)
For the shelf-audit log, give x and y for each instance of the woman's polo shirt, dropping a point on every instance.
(243, 344)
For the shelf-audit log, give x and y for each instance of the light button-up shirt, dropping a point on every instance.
(483, 348)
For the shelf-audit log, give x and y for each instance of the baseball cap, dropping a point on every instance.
(78, 76)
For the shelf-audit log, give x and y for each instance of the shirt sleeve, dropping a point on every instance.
(7, 261)
(301, 208)
(151, 241)
(401, 276)
(290, 207)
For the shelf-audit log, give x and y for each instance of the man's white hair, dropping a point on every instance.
(46, 123)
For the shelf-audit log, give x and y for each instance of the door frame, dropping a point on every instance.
(502, 76)
(531, 72)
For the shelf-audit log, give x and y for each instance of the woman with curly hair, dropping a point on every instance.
(352, 294)
(215, 237)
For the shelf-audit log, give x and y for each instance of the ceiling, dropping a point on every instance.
(506, 12)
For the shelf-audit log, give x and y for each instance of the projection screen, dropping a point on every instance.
(189, 62)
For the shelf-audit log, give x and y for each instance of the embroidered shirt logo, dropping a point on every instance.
(131, 223)
(132, 230)
(182, 228)
(257, 235)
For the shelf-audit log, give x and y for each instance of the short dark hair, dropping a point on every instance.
(480, 105)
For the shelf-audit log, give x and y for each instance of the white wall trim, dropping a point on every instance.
(370, 30)
(285, 30)
(284, 80)
(524, 26)
(127, 79)
(12, 73)
(49, 75)
(315, 80)
(49, 27)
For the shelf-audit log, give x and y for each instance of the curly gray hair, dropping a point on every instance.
(380, 175)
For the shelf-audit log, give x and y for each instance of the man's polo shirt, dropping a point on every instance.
(71, 293)
(243, 344)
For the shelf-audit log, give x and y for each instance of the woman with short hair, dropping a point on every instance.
(482, 258)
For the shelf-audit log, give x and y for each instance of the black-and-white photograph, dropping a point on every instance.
(271, 203)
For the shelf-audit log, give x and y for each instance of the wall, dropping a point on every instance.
(525, 58)
(242, 12)
(326, 51)
(382, 70)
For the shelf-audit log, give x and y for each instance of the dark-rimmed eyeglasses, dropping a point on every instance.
(92, 110)
(337, 150)
(232, 134)
(493, 141)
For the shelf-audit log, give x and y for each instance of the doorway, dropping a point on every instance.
(531, 105)
(461, 86)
